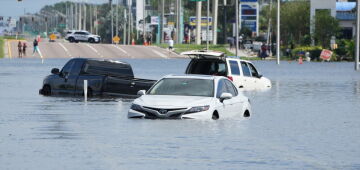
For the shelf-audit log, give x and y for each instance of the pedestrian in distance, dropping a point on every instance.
(263, 53)
(36, 48)
(20, 49)
(171, 44)
(24, 49)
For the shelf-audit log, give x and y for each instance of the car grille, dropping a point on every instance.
(164, 113)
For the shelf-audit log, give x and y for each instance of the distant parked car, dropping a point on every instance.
(84, 36)
(191, 97)
(242, 72)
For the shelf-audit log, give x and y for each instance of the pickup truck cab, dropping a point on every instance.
(243, 73)
(105, 78)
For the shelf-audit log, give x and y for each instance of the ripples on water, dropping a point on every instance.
(308, 120)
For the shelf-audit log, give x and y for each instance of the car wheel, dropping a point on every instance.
(246, 113)
(215, 116)
(46, 90)
(91, 40)
(71, 39)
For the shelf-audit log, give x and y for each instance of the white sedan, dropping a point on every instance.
(191, 97)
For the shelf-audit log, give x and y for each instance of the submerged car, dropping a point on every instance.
(191, 97)
(242, 72)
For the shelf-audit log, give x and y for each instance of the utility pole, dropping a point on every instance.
(80, 16)
(237, 28)
(117, 17)
(91, 13)
(215, 20)
(97, 22)
(198, 22)
(178, 21)
(357, 44)
(162, 21)
(112, 21)
(144, 22)
(124, 26)
(85, 16)
(129, 31)
(278, 34)
(207, 24)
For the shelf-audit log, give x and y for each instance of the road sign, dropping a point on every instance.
(116, 39)
(326, 54)
(52, 37)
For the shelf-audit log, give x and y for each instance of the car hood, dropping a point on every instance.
(169, 101)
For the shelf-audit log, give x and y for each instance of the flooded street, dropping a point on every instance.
(310, 119)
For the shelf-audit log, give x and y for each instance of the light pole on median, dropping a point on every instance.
(207, 24)
(357, 50)
(278, 34)
(237, 28)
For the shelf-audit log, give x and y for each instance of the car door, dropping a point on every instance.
(233, 103)
(226, 108)
(60, 84)
(255, 81)
(234, 72)
(247, 84)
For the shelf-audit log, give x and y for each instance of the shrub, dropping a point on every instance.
(315, 51)
(1, 47)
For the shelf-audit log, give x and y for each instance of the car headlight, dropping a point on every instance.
(136, 107)
(197, 109)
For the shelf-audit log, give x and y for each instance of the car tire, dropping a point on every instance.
(91, 40)
(46, 90)
(246, 114)
(215, 116)
(72, 39)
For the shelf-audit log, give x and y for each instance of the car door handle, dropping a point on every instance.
(132, 83)
(241, 86)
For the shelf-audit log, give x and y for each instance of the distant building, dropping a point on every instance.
(342, 10)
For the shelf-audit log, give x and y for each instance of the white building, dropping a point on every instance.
(316, 5)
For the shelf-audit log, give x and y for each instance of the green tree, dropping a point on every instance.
(326, 26)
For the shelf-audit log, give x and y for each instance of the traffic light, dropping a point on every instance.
(32, 19)
(46, 19)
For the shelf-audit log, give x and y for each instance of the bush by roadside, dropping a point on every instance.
(2, 42)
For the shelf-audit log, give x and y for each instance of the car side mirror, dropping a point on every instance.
(141, 92)
(55, 71)
(259, 76)
(225, 96)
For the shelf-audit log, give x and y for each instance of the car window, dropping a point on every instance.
(245, 69)
(207, 67)
(222, 88)
(234, 67)
(231, 88)
(78, 33)
(76, 68)
(253, 70)
(67, 68)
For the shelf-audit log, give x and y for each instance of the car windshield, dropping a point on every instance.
(183, 87)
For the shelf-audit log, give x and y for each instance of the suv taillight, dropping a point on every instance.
(230, 78)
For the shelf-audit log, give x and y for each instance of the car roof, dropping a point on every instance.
(209, 54)
(194, 76)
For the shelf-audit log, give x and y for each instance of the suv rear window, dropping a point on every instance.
(207, 67)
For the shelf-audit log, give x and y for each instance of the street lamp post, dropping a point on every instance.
(357, 50)
(237, 28)
(207, 24)
(278, 34)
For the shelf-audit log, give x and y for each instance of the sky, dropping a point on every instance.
(14, 8)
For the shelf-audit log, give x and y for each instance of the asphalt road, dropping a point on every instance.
(63, 49)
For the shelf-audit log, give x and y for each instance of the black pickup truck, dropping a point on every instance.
(105, 78)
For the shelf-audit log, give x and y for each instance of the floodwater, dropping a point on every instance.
(310, 119)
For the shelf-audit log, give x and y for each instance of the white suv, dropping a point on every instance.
(84, 36)
(243, 73)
